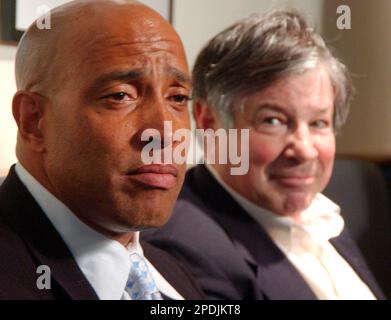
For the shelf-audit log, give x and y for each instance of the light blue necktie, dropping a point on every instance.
(140, 285)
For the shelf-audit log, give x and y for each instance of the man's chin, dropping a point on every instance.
(156, 221)
(296, 203)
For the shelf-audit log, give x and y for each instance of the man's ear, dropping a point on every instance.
(205, 117)
(28, 111)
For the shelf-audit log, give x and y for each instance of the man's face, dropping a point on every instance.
(129, 77)
(292, 143)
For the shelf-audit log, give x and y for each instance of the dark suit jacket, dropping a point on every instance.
(229, 253)
(28, 239)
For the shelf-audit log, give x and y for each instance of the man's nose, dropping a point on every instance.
(158, 123)
(301, 144)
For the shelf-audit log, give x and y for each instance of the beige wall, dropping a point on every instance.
(366, 49)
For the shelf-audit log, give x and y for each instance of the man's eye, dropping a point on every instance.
(270, 121)
(271, 124)
(119, 96)
(273, 121)
(320, 124)
(179, 98)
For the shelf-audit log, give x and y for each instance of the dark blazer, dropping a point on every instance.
(28, 239)
(229, 253)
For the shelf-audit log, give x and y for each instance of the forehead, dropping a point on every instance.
(310, 90)
(106, 53)
(121, 40)
(143, 61)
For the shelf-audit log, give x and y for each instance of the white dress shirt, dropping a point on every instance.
(305, 242)
(104, 262)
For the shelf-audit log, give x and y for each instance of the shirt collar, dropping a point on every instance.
(104, 262)
(321, 220)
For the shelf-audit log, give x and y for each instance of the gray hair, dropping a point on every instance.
(258, 50)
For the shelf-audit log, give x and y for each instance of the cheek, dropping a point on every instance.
(182, 121)
(105, 131)
(96, 141)
(263, 151)
(326, 149)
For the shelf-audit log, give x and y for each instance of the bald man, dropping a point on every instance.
(72, 207)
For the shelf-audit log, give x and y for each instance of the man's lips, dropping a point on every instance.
(294, 180)
(155, 176)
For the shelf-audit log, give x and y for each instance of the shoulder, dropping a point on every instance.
(18, 273)
(202, 244)
(192, 229)
(17, 267)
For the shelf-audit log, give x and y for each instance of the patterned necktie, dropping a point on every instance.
(140, 285)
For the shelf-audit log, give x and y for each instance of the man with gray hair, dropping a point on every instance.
(269, 233)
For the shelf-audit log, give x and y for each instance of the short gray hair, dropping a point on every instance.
(256, 51)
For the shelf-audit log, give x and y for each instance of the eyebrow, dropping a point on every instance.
(178, 75)
(274, 107)
(278, 108)
(271, 107)
(119, 75)
(136, 74)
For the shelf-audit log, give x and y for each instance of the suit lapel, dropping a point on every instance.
(276, 276)
(45, 244)
(348, 249)
(171, 270)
